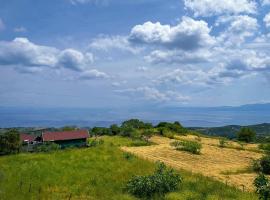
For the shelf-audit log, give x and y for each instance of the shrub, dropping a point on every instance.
(265, 147)
(168, 134)
(190, 146)
(93, 142)
(128, 156)
(256, 166)
(10, 142)
(246, 135)
(265, 164)
(46, 147)
(222, 142)
(262, 187)
(161, 182)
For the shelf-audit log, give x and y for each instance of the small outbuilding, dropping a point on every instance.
(27, 138)
(76, 138)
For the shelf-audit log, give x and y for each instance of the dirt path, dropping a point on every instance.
(213, 160)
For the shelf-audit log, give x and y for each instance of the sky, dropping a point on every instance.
(134, 53)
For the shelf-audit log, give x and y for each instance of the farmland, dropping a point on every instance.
(97, 173)
(229, 165)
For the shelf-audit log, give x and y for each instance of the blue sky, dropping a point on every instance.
(124, 53)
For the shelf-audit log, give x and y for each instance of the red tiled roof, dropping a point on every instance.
(27, 137)
(65, 135)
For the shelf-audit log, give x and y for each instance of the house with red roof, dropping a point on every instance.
(75, 138)
(27, 138)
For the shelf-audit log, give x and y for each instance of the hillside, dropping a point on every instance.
(95, 173)
(231, 130)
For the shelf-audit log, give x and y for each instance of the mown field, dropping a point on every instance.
(95, 173)
(229, 164)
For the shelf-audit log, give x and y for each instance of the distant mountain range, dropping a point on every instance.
(231, 130)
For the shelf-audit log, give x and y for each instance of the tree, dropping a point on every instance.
(114, 129)
(175, 127)
(246, 135)
(133, 123)
(265, 164)
(10, 142)
(99, 131)
(262, 187)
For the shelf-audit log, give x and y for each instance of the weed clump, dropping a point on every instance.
(190, 146)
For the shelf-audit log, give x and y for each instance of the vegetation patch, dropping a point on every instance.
(190, 146)
(157, 185)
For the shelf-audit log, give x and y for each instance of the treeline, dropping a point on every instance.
(135, 128)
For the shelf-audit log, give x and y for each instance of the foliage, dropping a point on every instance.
(168, 134)
(256, 166)
(10, 142)
(161, 182)
(114, 129)
(262, 187)
(174, 127)
(136, 124)
(265, 164)
(222, 142)
(46, 147)
(97, 131)
(128, 156)
(190, 146)
(246, 135)
(93, 142)
(265, 147)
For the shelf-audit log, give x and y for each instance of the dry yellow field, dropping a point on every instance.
(213, 161)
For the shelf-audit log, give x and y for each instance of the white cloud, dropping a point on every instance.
(220, 7)
(22, 53)
(265, 2)
(189, 34)
(2, 25)
(20, 29)
(93, 74)
(178, 56)
(150, 93)
(107, 43)
(240, 28)
(266, 20)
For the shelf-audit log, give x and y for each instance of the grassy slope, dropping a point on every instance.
(93, 173)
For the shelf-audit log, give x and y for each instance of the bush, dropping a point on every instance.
(46, 147)
(161, 182)
(246, 135)
(190, 146)
(256, 166)
(222, 142)
(262, 187)
(265, 164)
(175, 127)
(128, 156)
(265, 147)
(10, 142)
(93, 142)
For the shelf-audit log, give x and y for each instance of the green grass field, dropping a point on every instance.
(94, 173)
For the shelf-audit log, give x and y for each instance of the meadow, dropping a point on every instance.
(99, 172)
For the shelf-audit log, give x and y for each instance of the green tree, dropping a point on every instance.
(246, 135)
(10, 142)
(114, 129)
(262, 187)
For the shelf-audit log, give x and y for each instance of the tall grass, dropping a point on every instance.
(93, 173)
